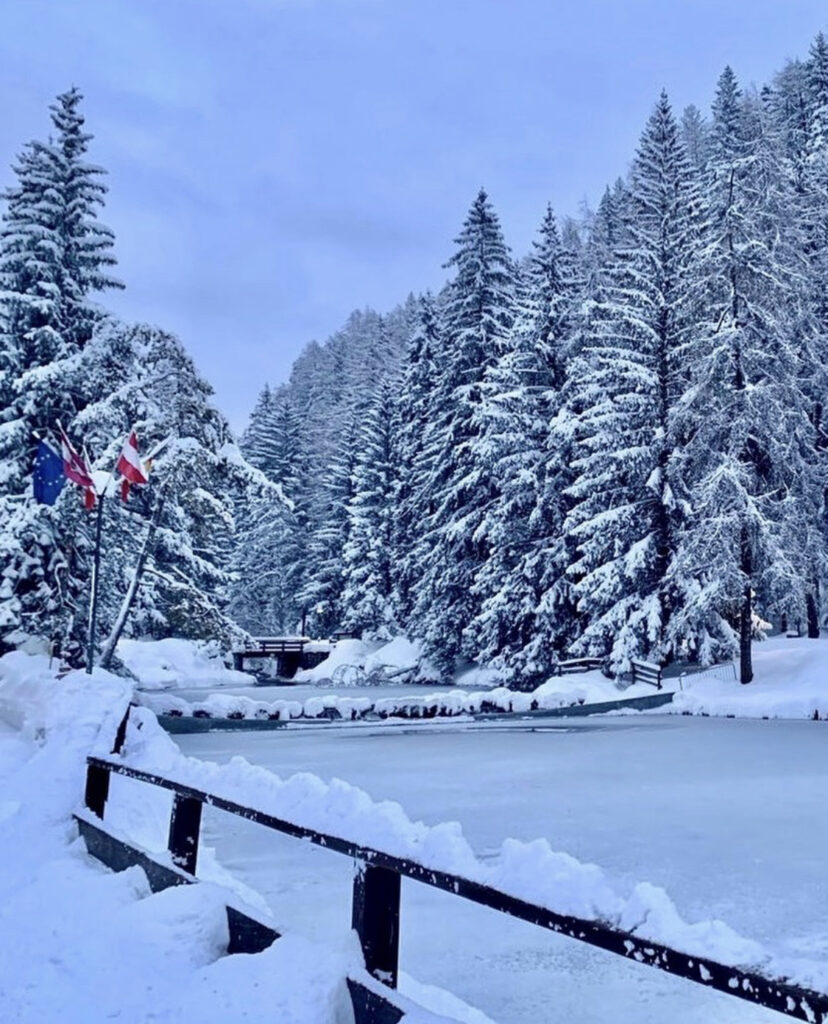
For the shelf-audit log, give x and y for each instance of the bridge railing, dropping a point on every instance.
(376, 903)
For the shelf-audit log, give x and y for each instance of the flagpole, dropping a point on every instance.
(93, 597)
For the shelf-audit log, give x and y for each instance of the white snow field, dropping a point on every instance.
(80, 944)
(728, 816)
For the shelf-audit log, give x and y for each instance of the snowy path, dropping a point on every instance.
(727, 815)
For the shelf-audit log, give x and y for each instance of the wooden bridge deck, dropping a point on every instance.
(289, 652)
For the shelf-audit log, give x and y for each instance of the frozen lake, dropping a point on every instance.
(728, 816)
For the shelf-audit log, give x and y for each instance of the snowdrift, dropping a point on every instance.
(359, 662)
(170, 663)
(93, 946)
(791, 681)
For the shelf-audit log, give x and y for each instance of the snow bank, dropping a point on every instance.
(345, 665)
(479, 677)
(398, 657)
(93, 945)
(791, 681)
(162, 664)
(589, 688)
(72, 711)
(357, 662)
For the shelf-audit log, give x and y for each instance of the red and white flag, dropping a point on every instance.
(130, 466)
(76, 468)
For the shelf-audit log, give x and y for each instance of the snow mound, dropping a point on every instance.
(399, 657)
(345, 665)
(790, 681)
(360, 662)
(172, 662)
(73, 710)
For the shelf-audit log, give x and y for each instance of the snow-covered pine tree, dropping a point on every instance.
(414, 422)
(270, 556)
(521, 586)
(140, 376)
(258, 440)
(320, 595)
(475, 322)
(747, 437)
(607, 231)
(628, 378)
(695, 136)
(368, 555)
(54, 255)
(790, 226)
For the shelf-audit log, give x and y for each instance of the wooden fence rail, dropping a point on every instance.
(646, 672)
(376, 904)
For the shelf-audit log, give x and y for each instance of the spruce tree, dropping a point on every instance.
(369, 552)
(414, 421)
(743, 414)
(522, 525)
(475, 323)
(627, 497)
(54, 256)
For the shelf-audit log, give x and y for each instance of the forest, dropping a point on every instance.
(613, 445)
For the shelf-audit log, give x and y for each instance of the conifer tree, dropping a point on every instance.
(369, 552)
(628, 499)
(413, 423)
(54, 255)
(743, 415)
(140, 376)
(475, 322)
(522, 525)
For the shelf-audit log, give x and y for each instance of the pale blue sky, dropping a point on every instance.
(276, 163)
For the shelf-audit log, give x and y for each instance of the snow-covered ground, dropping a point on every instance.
(83, 945)
(791, 681)
(171, 663)
(728, 816)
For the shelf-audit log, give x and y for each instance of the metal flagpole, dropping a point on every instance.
(93, 596)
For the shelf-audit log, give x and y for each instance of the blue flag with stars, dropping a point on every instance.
(48, 474)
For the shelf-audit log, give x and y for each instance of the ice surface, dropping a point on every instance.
(726, 816)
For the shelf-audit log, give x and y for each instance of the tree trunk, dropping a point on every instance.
(746, 613)
(812, 605)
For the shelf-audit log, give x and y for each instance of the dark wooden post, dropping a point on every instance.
(94, 586)
(376, 919)
(185, 824)
(97, 789)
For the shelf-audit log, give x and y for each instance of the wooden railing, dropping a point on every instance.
(289, 651)
(564, 668)
(646, 672)
(376, 902)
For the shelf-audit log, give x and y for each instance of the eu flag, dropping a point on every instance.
(48, 474)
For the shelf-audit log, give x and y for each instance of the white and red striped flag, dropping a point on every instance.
(76, 468)
(130, 466)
